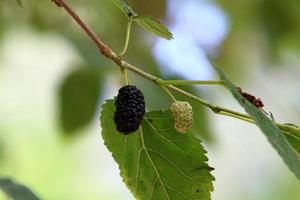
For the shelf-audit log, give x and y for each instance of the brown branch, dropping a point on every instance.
(104, 49)
(109, 53)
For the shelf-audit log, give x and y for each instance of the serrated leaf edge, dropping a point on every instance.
(144, 148)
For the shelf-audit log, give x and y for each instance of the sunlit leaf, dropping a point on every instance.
(274, 135)
(156, 162)
(153, 26)
(78, 96)
(126, 9)
(16, 191)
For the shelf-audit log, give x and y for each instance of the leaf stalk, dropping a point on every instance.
(129, 24)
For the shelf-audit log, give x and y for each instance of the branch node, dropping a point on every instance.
(106, 51)
(216, 109)
(158, 81)
(118, 61)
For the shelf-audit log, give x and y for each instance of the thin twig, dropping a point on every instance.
(169, 93)
(109, 53)
(192, 82)
(104, 49)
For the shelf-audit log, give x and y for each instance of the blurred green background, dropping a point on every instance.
(53, 83)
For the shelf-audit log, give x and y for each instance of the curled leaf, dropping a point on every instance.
(125, 8)
(153, 26)
(287, 147)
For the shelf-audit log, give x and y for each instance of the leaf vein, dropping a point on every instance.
(153, 187)
(171, 188)
(167, 139)
(174, 165)
(138, 168)
(152, 163)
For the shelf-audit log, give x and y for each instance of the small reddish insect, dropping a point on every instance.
(255, 101)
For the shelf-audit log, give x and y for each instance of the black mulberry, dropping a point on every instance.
(130, 109)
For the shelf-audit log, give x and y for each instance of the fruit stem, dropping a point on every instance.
(169, 93)
(125, 76)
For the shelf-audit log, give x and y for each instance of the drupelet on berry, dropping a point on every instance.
(183, 115)
(130, 109)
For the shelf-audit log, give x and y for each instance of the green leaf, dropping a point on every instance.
(274, 135)
(294, 141)
(153, 26)
(156, 162)
(16, 191)
(126, 9)
(19, 2)
(78, 96)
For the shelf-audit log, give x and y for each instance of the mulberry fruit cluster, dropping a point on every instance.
(130, 109)
(183, 115)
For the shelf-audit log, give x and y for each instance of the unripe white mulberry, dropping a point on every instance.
(183, 115)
